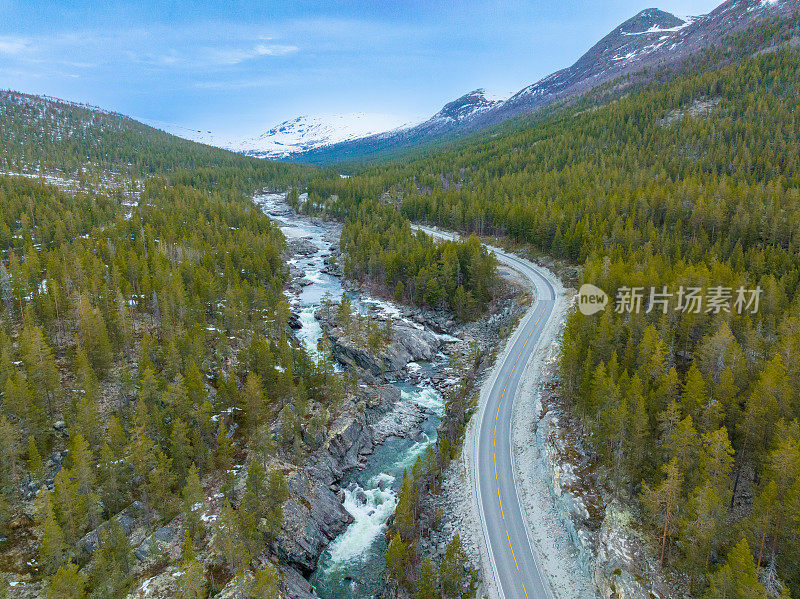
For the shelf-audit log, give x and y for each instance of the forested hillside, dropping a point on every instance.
(692, 181)
(41, 135)
(144, 359)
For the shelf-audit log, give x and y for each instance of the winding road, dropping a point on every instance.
(512, 556)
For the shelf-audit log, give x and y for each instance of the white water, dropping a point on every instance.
(427, 397)
(371, 509)
(352, 565)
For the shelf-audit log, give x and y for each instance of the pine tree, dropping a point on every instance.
(277, 493)
(253, 398)
(180, 448)
(161, 482)
(81, 463)
(94, 336)
(228, 542)
(695, 394)
(67, 583)
(113, 487)
(224, 453)
(113, 561)
(705, 514)
(737, 578)
(71, 506)
(638, 436)
(53, 551)
(427, 586)
(404, 520)
(398, 561)
(663, 501)
(35, 463)
(453, 568)
(9, 452)
(192, 495)
(715, 460)
(37, 356)
(192, 582)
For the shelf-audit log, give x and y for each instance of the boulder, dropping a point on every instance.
(129, 519)
(169, 535)
(408, 344)
(314, 514)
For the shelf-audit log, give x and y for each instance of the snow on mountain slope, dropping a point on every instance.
(652, 39)
(293, 136)
(465, 107)
(309, 132)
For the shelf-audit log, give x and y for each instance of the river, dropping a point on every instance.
(353, 564)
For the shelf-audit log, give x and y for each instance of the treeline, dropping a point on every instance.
(691, 182)
(147, 343)
(409, 266)
(381, 247)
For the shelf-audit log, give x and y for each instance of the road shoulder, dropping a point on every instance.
(547, 519)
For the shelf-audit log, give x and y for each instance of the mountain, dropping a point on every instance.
(651, 39)
(78, 145)
(294, 136)
(310, 132)
(455, 116)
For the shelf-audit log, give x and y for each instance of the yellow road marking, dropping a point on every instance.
(501, 512)
(524, 591)
(509, 542)
(494, 456)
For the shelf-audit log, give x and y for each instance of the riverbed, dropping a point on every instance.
(353, 564)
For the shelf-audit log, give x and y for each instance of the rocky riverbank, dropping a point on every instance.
(383, 357)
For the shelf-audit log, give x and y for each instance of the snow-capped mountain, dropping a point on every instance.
(651, 39)
(466, 107)
(308, 132)
(293, 136)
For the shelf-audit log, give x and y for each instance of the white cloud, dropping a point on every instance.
(232, 56)
(13, 45)
(275, 49)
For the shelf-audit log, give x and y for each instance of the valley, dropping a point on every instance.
(535, 346)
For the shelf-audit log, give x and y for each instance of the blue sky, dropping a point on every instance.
(239, 67)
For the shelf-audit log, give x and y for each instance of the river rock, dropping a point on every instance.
(302, 246)
(314, 514)
(403, 420)
(408, 344)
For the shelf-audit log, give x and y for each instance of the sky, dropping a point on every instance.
(237, 68)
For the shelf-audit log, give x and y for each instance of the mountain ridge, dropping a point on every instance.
(650, 39)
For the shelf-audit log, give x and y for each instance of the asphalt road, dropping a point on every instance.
(512, 556)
